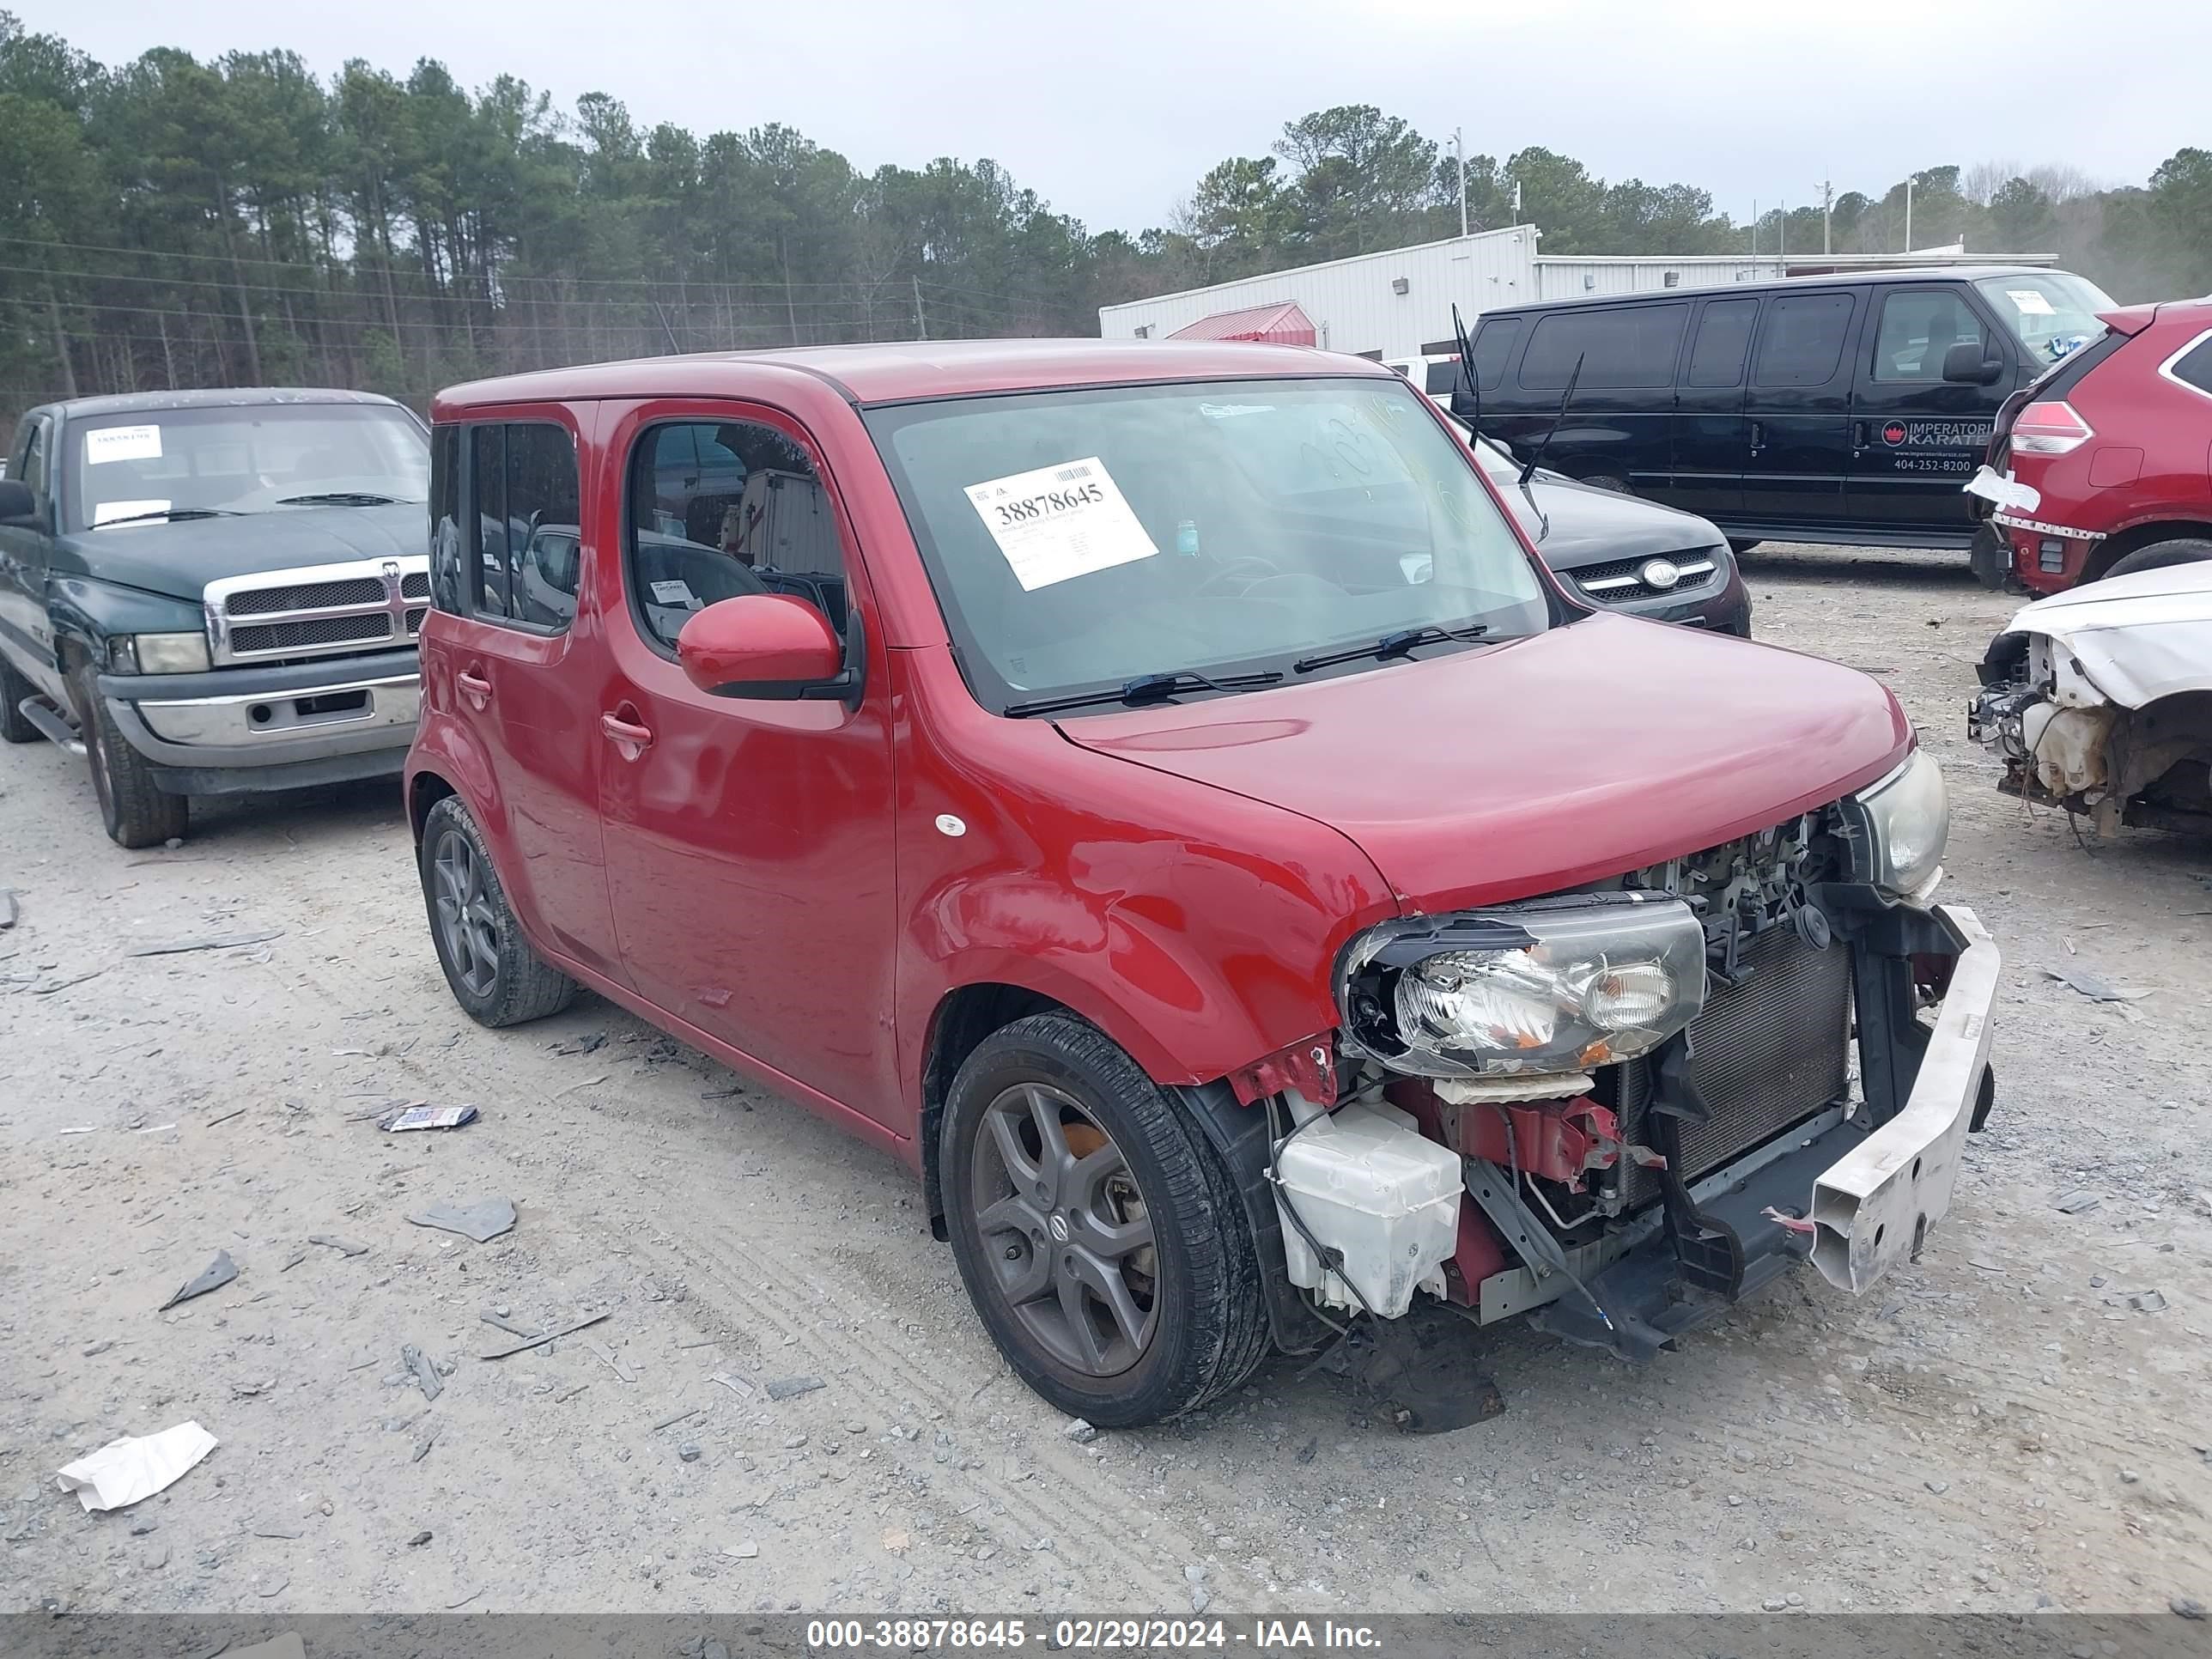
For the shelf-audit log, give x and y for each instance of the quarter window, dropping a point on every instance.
(1918, 329)
(1723, 340)
(446, 567)
(522, 562)
(1493, 344)
(718, 509)
(2194, 367)
(1803, 340)
(1619, 346)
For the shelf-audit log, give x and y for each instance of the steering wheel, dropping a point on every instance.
(1250, 565)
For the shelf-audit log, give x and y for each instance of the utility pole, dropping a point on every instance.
(920, 327)
(1827, 204)
(1754, 227)
(1459, 149)
(1907, 248)
(1516, 201)
(1782, 234)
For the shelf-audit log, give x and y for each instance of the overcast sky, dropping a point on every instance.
(1110, 109)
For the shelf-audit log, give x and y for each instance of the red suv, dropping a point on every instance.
(2103, 466)
(1156, 791)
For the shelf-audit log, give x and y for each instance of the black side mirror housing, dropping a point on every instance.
(1964, 364)
(18, 506)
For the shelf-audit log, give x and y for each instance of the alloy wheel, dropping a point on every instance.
(466, 921)
(1066, 1231)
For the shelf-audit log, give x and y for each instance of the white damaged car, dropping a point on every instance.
(2099, 700)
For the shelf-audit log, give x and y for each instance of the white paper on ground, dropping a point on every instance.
(123, 443)
(108, 511)
(138, 1466)
(1061, 522)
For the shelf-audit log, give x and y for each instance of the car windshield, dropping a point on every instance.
(2052, 313)
(141, 467)
(1079, 540)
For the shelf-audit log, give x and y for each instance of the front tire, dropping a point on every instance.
(135, 811)
(490, 967)
(1097, 1233)
(2160, 555)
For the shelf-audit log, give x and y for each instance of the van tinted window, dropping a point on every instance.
(1619, 346)
(1493, 349)
(1723, 340)
(1803, 340)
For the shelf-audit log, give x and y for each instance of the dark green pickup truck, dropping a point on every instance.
(213, 592)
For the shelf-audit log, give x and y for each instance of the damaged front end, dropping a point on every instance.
(2101, 705)
(1621, 1109)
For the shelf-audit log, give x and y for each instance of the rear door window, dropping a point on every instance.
(1723, 341)
(1623, 347)
(1918, 327)
(1803, 340)
(522, 563)
(1494, 349)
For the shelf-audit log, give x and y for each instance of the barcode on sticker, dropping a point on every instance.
(1069, 474)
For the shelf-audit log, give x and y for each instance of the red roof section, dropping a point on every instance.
(1278, 324)
(908, 370)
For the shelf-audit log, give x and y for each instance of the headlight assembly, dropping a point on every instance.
(1555, 985)
(1901, 825)
(158, 654)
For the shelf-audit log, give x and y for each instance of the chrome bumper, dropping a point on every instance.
(1876, 1203)
(268, 728)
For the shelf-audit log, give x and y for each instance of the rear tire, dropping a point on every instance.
(14, 688)
(2160, 555)
(1742, 547)
(1097, 1233)
(135, 811)
(490, 967)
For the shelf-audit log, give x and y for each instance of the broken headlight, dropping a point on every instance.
(1904, 823)
(1556, 985)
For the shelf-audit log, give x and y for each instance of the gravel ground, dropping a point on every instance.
(2000, 1427)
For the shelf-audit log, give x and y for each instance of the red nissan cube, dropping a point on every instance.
(1155, 792)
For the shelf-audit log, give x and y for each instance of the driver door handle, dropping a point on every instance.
(628, 736)
(473, 686)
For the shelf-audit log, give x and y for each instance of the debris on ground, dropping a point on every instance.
(344, 1246)
(789, 1388)
(208, 942)
(216, 1274)
(123, 1471)
(419, 1539)
(745, 1552)
(682, 1416)
(480, 1218)
(688, 1451)
(736, 1385)
(2147, 1301)
(582, 1045)
(422, 1116)
(425, 1441)
(415, 1360)
(225, 1117)
(2092, 986)
(539, 1341)
(2080, 1202)
(1080, 1431)
(8, 911)
(2188, 1607)
(614, 1360)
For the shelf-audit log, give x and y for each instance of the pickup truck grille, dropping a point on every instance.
(277, 616)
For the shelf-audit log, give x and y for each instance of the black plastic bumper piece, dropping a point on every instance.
(290, 775)
(1652, 1299)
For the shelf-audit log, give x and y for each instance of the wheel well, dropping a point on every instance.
(2113, 548)
(427, 791)
(963, 1020)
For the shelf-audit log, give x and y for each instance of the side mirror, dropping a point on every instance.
(768, 646)
(17, 504)
(1965, 365)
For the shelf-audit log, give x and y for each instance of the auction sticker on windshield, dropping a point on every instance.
(1061, 522)
(123, 443)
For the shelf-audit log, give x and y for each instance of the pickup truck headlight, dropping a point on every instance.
(158, 654)
(1905, 821)
(1556, 985)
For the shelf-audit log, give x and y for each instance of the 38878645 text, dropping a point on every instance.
(1108, 1635)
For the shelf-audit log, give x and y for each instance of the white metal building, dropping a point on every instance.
(1398, 303)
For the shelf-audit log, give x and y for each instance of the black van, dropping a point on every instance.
(1848, 409)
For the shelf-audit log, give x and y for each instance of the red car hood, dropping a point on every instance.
(1536, 764)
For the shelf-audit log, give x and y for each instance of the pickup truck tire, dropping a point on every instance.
(136, 812)
(490, 967)
(14, 688)
(2180, 550)
(1099, 1235)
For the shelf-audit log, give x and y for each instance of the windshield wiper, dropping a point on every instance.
(1390, 645)
(172, 514)
(341, 498)
(1146, 689)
